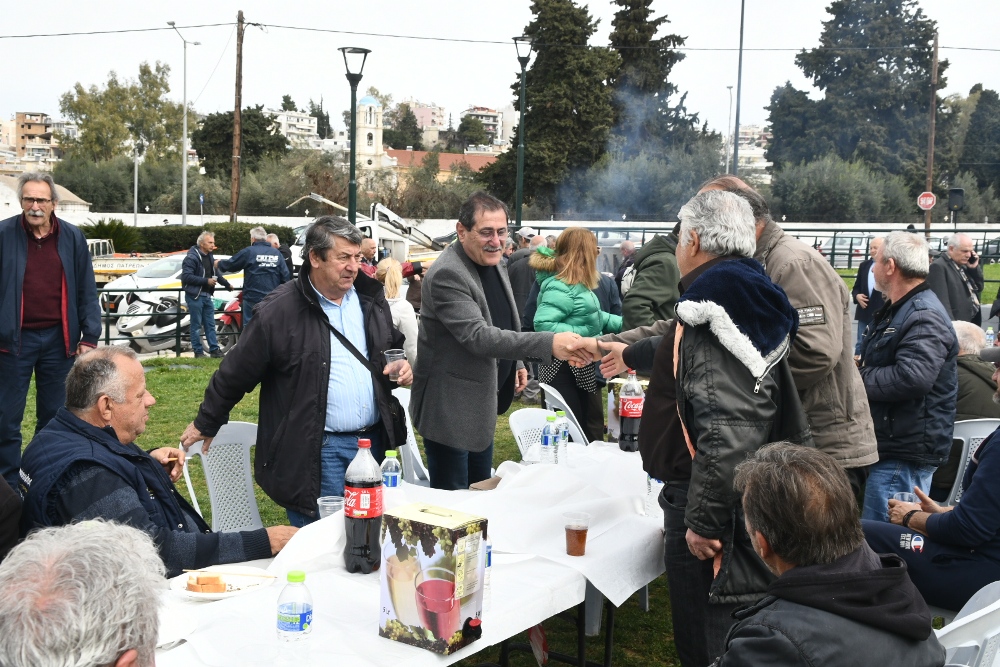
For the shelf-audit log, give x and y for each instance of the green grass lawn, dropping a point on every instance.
(991, 272)
(641, 639)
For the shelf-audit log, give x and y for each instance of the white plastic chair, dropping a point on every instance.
(526, 424)
(971, 432)
(229, 478)
(555, 401)
(414, 470)
(973, 638)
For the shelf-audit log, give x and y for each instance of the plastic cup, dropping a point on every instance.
(330, 505)
(577, 524)
(906, 497)
(393, 361)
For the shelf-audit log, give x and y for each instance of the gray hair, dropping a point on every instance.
(971, 339)
(258, 234)
(800, 500)
(320, 235)
(956, 239)
(80, 595)
(96, 374)
(724, 223)
(37, 177)
(909, 251)
(204, 235)
(271, 238)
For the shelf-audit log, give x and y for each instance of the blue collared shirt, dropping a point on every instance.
(350, 403)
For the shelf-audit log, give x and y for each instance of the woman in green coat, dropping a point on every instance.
(565, 278)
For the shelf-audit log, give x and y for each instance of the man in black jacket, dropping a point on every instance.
(868, 299)
(199, 275)
(956, 279)
(317, 397)
(835, 602)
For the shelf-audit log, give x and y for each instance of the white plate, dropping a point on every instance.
(235, 584)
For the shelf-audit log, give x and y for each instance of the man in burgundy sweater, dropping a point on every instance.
(48, 311)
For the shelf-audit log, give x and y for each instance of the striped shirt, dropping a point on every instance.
(350, 403)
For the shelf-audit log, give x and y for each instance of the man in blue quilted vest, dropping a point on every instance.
(85, 465)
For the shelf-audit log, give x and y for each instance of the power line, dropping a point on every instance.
(221, 56)
(109, 32)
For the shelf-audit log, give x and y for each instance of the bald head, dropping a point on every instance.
(627, 249)
(727, 183)
(536, 241)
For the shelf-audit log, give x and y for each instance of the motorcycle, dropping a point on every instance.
(150, 323)
(229, 324)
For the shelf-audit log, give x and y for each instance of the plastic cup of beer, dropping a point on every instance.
(393, 361)
(577, 524)
(330, 505)
(906, 497)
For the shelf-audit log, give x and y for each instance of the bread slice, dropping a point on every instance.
(206, 583)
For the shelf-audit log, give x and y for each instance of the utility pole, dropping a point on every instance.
(739, 94)
(930, 136)
(234, 197)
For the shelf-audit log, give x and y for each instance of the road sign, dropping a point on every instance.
(926, 201)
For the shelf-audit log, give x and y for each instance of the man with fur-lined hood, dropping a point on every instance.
(734, 394)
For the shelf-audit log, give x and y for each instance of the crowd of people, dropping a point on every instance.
(793, 552)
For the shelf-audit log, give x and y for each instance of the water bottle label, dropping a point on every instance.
(630, 406)
(289, 622)
(549, 439)
(390, 479)
(363, 503)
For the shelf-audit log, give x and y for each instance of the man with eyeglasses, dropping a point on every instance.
(317, 398)
(471, 348)
(49, 311)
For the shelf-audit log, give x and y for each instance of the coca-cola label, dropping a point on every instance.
(363, 503)
(630, 406)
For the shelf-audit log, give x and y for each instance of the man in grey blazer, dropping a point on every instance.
(471, 348)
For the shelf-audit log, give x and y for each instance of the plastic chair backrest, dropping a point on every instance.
(229, 478)
(971, 432)
(526, 424)
(555, 401)
(973, 638)
(414, 470)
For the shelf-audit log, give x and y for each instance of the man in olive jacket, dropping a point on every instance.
(654, 288)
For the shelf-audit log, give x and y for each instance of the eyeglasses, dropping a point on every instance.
(487, 234)
(347, 258)
(30, 201)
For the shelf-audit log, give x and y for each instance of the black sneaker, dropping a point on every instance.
(218, 354)
(200, 355)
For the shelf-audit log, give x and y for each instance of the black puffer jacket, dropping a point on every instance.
(286, 350)
(735, 394)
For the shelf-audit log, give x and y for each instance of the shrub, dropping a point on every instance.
(125, 238)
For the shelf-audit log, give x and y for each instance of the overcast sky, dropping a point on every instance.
(454, 74)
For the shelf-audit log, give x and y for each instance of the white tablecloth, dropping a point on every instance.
(532, 578)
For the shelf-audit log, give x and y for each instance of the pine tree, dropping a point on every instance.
(981, 150)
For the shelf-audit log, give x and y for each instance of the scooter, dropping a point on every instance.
(151, 323)
(229, 324)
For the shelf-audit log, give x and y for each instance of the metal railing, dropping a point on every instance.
(109, 318)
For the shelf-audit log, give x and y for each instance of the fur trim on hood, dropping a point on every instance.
(543, 262)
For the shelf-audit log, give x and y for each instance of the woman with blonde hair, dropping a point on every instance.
(565, 278)
(390, 273)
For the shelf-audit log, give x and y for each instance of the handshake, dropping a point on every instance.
(579, 352)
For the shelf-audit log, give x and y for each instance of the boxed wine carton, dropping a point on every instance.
(433, 562)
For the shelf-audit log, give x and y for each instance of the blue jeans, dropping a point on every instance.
(890, 476)
(861, 330)
(202, 312)
(43, 352)
(700, 628)
(336, 454)
(247, 311)
(455, 469)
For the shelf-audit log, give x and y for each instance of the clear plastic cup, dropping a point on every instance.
(906, 497)
(330, 505)
(577, 524)
(393, 361)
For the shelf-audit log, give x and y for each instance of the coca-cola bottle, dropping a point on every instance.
(630, 400)
(363, 511)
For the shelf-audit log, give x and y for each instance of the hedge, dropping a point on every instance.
(230, 237)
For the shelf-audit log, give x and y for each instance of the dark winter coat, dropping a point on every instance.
(654, 289)
(521, 277)
(953, 288)
(263, 270)
(193, 273)
(287, 353)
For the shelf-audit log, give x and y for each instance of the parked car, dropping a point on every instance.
(844, 251)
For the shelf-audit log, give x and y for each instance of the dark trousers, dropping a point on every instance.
(43, 353)
(455, 469)
(700, 628)
(946, 576)
(578, 400)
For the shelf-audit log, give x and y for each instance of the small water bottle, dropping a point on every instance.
(653, 488)
(550, 440)
(295, 608)
(392, 472)
(991, 337)
(487, 591)
(563, 423)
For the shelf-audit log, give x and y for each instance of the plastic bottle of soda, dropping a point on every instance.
(563, 423)
(295, 608)
(550, 440)
(363, 511)
(630, 401)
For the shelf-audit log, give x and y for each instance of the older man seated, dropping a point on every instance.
(85, 465)
(951, 552)
(835, 602)
(85, 595)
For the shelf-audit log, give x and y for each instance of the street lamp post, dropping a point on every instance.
(354, 63)
(739, 90)
(729, 127)
(523, 46)
(184, 142)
